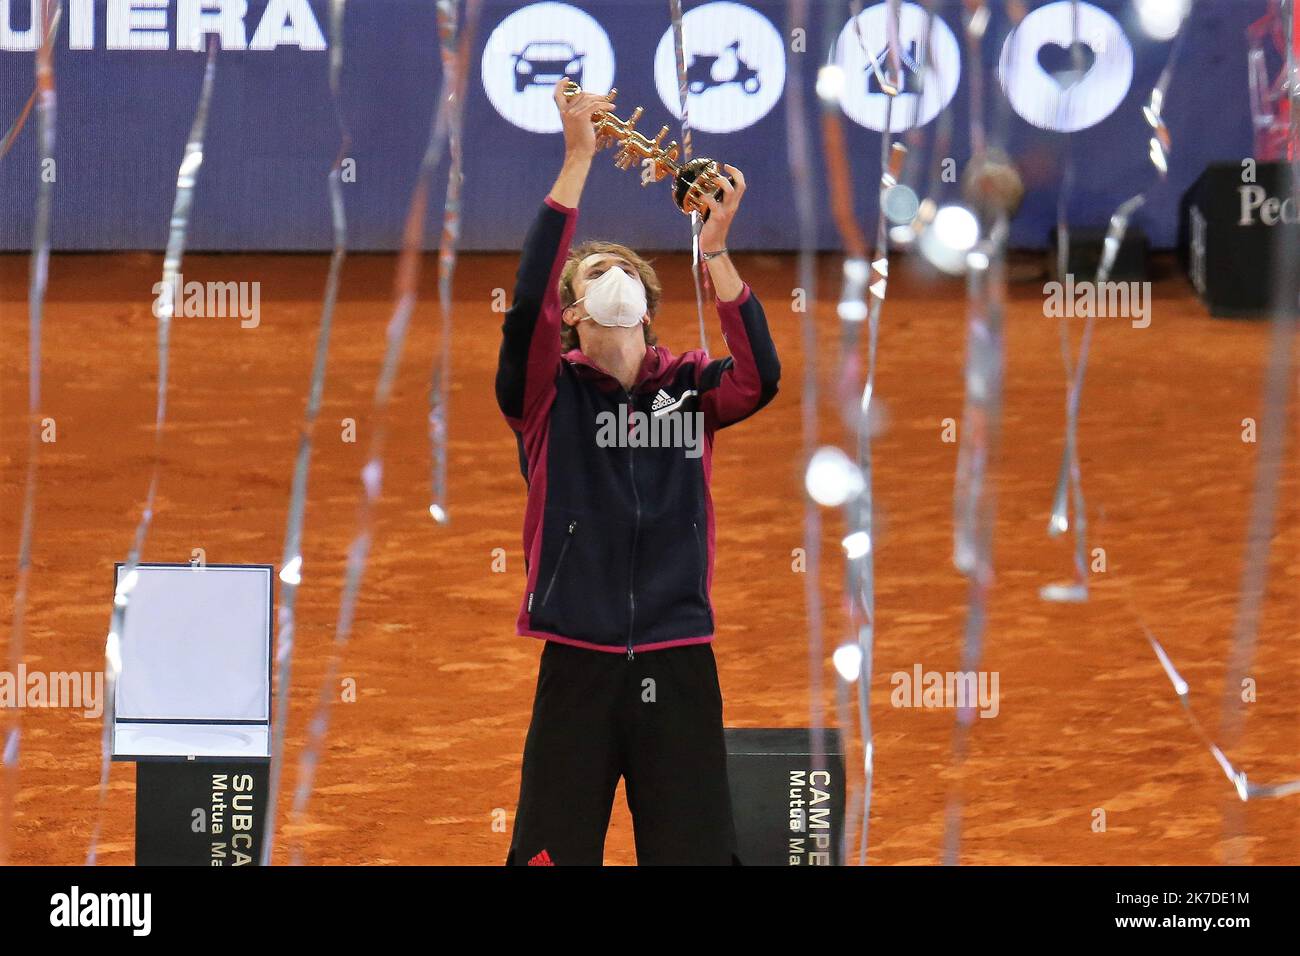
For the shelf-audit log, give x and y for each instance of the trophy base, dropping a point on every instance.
(690, 185)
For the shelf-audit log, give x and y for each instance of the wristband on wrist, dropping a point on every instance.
(706, 256)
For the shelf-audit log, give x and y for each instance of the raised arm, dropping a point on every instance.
(733, 388)
(530, 336)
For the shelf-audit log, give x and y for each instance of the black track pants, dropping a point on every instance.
(655, 720)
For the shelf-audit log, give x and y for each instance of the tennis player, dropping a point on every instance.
(615, 437)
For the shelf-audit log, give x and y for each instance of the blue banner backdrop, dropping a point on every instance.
(126, 96)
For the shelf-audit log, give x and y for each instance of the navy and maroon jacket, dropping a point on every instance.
(618, 541)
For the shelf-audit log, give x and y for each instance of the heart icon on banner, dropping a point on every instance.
(1067, 65)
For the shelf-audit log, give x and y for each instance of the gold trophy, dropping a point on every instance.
(692, 181)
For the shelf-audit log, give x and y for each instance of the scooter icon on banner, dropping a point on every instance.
(734, 64)
(706, 72)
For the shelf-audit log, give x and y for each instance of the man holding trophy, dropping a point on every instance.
(618, 534)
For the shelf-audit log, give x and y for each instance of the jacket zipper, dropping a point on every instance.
(704, 558)
(704, 572)
(573, 526)
(636, 534)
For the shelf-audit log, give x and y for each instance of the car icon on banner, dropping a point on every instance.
(545, 62)
(536, 46)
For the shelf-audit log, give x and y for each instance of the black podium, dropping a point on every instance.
(199, 813)
(1238, 237)
(193, 710)
(788, 812)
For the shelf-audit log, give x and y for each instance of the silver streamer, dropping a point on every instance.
(981, 431)
(975, 505)
(38, 280)
(860, 545)
(943, 122)
(406, 291)
(439, 390)
(291, 560)
(1068, 495)
(1069, 479)
(1268, 469)
(178, 233)
(675, 12)
(799, 158)
(47, 40)
(928, 66)
(862, 296)
(11, 135)
(1067, 181)
(972, 451)
(1243, 789)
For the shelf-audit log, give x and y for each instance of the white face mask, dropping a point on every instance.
(615, 299)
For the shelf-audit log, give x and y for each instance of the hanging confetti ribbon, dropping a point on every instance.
(47, 42)
(38, 280)
(439, 390)
(1268, 471)
(862, 297)
(799, 159)
(1243, 789)
(915, 134)
(982, 348)
(701, 278)
(1069, 484)
(164, 309)
(1264, 493)
(992, 186)
(291, 561)
(406, 291)
(7, 141)
(1069, 478)
(981, 431)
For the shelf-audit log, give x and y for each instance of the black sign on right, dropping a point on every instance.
(1238, 233)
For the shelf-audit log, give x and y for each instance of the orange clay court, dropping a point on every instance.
(418, 768)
